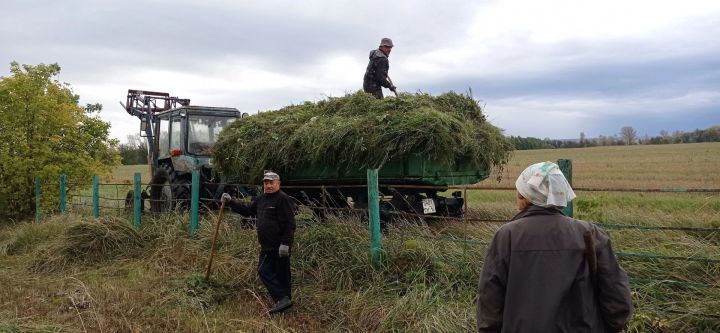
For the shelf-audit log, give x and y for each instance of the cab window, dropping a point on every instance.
(176, 134)
(163, 135)
(203, 132)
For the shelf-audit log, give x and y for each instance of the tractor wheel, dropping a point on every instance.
(176, 192)
(181, 195)
(160, 191)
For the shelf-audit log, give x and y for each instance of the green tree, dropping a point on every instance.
(43, 133)
(133, 151)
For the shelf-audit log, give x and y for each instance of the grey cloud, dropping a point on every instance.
(189, 35)
(110, 45)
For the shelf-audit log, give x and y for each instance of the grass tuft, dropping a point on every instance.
(89, 243)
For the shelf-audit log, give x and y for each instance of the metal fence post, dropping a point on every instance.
(38, 196)
(566, 168)
(63, 202)
(374, 215)
(96, 196)
(137, 203)
(194, 202)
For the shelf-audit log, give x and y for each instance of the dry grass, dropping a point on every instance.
(692, 165)
(426, 284)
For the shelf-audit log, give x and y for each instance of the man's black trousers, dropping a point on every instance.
(274, 271)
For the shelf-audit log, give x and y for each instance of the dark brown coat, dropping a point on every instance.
(376, 74)
(536, 278)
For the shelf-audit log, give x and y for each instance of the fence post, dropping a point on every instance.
(38, 196)
(374, 215)
(566, 168)
(96, 196)
(194, 202)
(63, 202)
(137, 203)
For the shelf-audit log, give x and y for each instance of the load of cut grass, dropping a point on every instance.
(358, 131)
(89, 243)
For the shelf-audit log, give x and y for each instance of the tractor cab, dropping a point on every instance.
(186, 135)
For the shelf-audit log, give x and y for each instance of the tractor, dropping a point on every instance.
(179, 137)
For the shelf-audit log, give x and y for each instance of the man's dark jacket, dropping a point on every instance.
(536, 278)
(275, 219)
(376, 73)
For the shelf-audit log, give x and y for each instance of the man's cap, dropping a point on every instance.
(386, 42)
(269, 175)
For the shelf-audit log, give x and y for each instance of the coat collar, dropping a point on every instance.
(537, 210)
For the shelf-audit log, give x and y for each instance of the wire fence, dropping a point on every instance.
(671, 256)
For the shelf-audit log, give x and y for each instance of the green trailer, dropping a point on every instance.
(413, 184)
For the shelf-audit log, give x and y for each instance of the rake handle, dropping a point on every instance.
(391, 84)
(212, 248)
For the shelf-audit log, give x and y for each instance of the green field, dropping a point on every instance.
(55, 279)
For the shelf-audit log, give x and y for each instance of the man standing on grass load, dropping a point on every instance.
(275, 229)
(376, 74)
(546, 272)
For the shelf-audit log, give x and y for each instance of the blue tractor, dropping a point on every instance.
(179, 137)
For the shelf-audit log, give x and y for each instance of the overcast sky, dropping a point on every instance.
(541, 68)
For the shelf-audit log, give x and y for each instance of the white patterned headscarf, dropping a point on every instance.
(544, 185)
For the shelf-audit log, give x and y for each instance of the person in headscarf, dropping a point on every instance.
(546, 272)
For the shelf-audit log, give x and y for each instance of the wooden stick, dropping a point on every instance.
(391, 84)
(212, 249)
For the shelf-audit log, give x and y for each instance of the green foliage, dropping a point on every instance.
(43, 133)
(359, 131)
(133, 151)
(194, 290)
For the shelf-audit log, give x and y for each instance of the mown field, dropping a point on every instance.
(642, 166)
(72, 274)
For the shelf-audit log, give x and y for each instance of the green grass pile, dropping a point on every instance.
(89, 243)
(358, 131)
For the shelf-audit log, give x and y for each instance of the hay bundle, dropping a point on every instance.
(97, 241)
(358, 131)
(89, 243)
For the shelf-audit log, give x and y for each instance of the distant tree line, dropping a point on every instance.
(627, 136)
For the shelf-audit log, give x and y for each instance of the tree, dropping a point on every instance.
(43, 133)
(628, 134)
(133, 151)
(582, 139)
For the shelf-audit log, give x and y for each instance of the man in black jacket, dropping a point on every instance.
(376, 74)
(275, 230)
